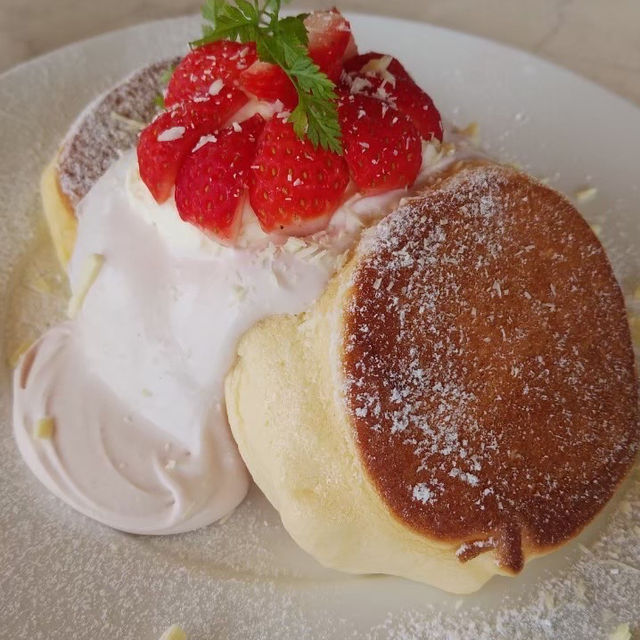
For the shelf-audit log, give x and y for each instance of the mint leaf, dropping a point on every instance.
(281, 41)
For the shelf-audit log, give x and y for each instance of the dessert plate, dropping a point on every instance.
(63, 575)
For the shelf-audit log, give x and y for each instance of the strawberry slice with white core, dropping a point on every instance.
(294, 188)
(165, 142)
(383, 77)
(381, 146)
(203, 71)
(212, 181)
(330, 41)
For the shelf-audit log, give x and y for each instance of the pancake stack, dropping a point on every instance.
(462, 398)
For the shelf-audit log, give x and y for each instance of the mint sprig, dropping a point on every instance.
(281, 41)
(163, 81)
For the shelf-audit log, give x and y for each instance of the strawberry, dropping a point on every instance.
(411, 100)
(293, 186)
(212, 181)
(358, 64)
(384, 77)
(330, 41)
(381, 146)
(269, 82)
(199, 73)
(165, 142)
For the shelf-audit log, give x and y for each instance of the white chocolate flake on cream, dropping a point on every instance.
(43, 428)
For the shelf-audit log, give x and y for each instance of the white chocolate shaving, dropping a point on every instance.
(379, 66)
(586, 194)
(136, 125)
(293, 245)
(174, 632)
(621, 632)
(43, 429)
(216, 87)
(169, 135)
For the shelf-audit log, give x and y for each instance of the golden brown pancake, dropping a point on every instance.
(461, 399)
(489, 367)
(107, 127)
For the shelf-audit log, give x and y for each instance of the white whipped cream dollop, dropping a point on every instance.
(134, 382)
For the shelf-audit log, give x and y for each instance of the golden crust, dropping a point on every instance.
(489, 368)
(59, 213)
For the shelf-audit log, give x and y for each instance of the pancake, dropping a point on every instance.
(108, 126)
(462, 398)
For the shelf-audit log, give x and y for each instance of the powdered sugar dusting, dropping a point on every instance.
(488, 365)
(587, 602)
(422, 492)
(97, 137)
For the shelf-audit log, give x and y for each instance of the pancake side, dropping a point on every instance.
(287, 416)
(59, 214)
(367, 489)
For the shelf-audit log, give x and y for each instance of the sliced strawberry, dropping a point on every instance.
(203, 71)
(294, 188)
(212, 181)
(212, 112)
(411, 100)
(381, 146)
(330, 41)
(375, 74)
(165, 142)
(270, 83)
(161, 148)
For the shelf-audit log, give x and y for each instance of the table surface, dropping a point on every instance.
(598, 38)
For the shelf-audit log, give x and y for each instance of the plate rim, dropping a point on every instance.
(524, 55)
(38, 60)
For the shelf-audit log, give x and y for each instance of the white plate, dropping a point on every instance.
(64, 576)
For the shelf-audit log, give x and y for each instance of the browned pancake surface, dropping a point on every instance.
(102, 132)
(489, 369)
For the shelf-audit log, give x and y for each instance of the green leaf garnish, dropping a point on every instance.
(281, 41)
(165, 76)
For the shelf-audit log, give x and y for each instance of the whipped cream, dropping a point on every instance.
(134, 382)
